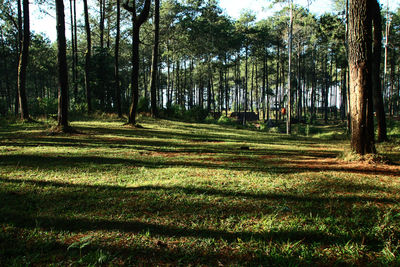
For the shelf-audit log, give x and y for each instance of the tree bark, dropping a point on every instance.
(154, 60)
(377, 90)
(117, 39)
(71, 8)
(62, 67)
(102, 19)
(289, 93)
(88, 58)
(360, 65)
(137, 21)
(23, 64)
(277, 82)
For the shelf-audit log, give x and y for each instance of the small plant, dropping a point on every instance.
(81, 244)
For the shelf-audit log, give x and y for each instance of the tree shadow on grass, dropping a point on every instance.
(83, 208)
(21, 251)
(279, 162)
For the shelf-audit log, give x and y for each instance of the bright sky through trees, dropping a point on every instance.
(46, 22)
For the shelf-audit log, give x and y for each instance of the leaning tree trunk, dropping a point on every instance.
(23, 64)
(360, 65)
(62, 67)
(154, 67)
(377, 90)
(137, 22)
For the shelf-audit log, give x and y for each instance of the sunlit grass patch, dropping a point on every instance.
(185, 193)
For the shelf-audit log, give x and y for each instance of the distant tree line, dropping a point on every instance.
(171, 56)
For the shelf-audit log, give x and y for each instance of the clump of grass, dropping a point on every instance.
(350, 156)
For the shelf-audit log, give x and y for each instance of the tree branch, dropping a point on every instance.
(144, 14)
(127, 7)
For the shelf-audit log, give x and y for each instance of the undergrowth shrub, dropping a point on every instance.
(143, 105)
(3, 107)
(195, 114)
(43, 106)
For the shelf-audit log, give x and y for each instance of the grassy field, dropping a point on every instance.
(177, 193)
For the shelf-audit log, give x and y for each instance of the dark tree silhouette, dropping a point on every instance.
(88, 58)
(117, 39)
(377, 89)
(154, 67)
(137, 21)
(62, 68)
(23, 63)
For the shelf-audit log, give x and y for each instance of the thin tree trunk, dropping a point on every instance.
(88, 58)
(289, 94)
(117, 39)
(76, 54)
(5, 65)
(376, 67)
(245, 86)
(102, 18)
(153, 88)
(392, 81)
(226, 89)
(23, 64)
(277, 83)
(73, 67)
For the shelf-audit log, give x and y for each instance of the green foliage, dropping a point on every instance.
(143, 104)
(78, 108)
(43, 106)
(195, 114)
(224, 120)
(3, 107)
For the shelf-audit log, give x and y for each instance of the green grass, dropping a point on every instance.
(179, 193)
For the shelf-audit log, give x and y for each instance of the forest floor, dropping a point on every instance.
(175, 193)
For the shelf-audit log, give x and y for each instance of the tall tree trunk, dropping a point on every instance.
(88, 58)
(168, 80)
(154, 67)
(392, 96)
(226, 89)
(252, 88)
(277, 83)
(191, 91)
(76, 54)
(299, 89)
(245, 86)
(116, 70)
(376, 67)
(289, 93)
(5, 65)
(360, 63)
(23, 64)
(209, 95)
(62, 67)
(102, 19)
(73, 67)
(263, 84)
(137, 22)
(326, 89)
(267, 87)
(257, 93)
(313, 87)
